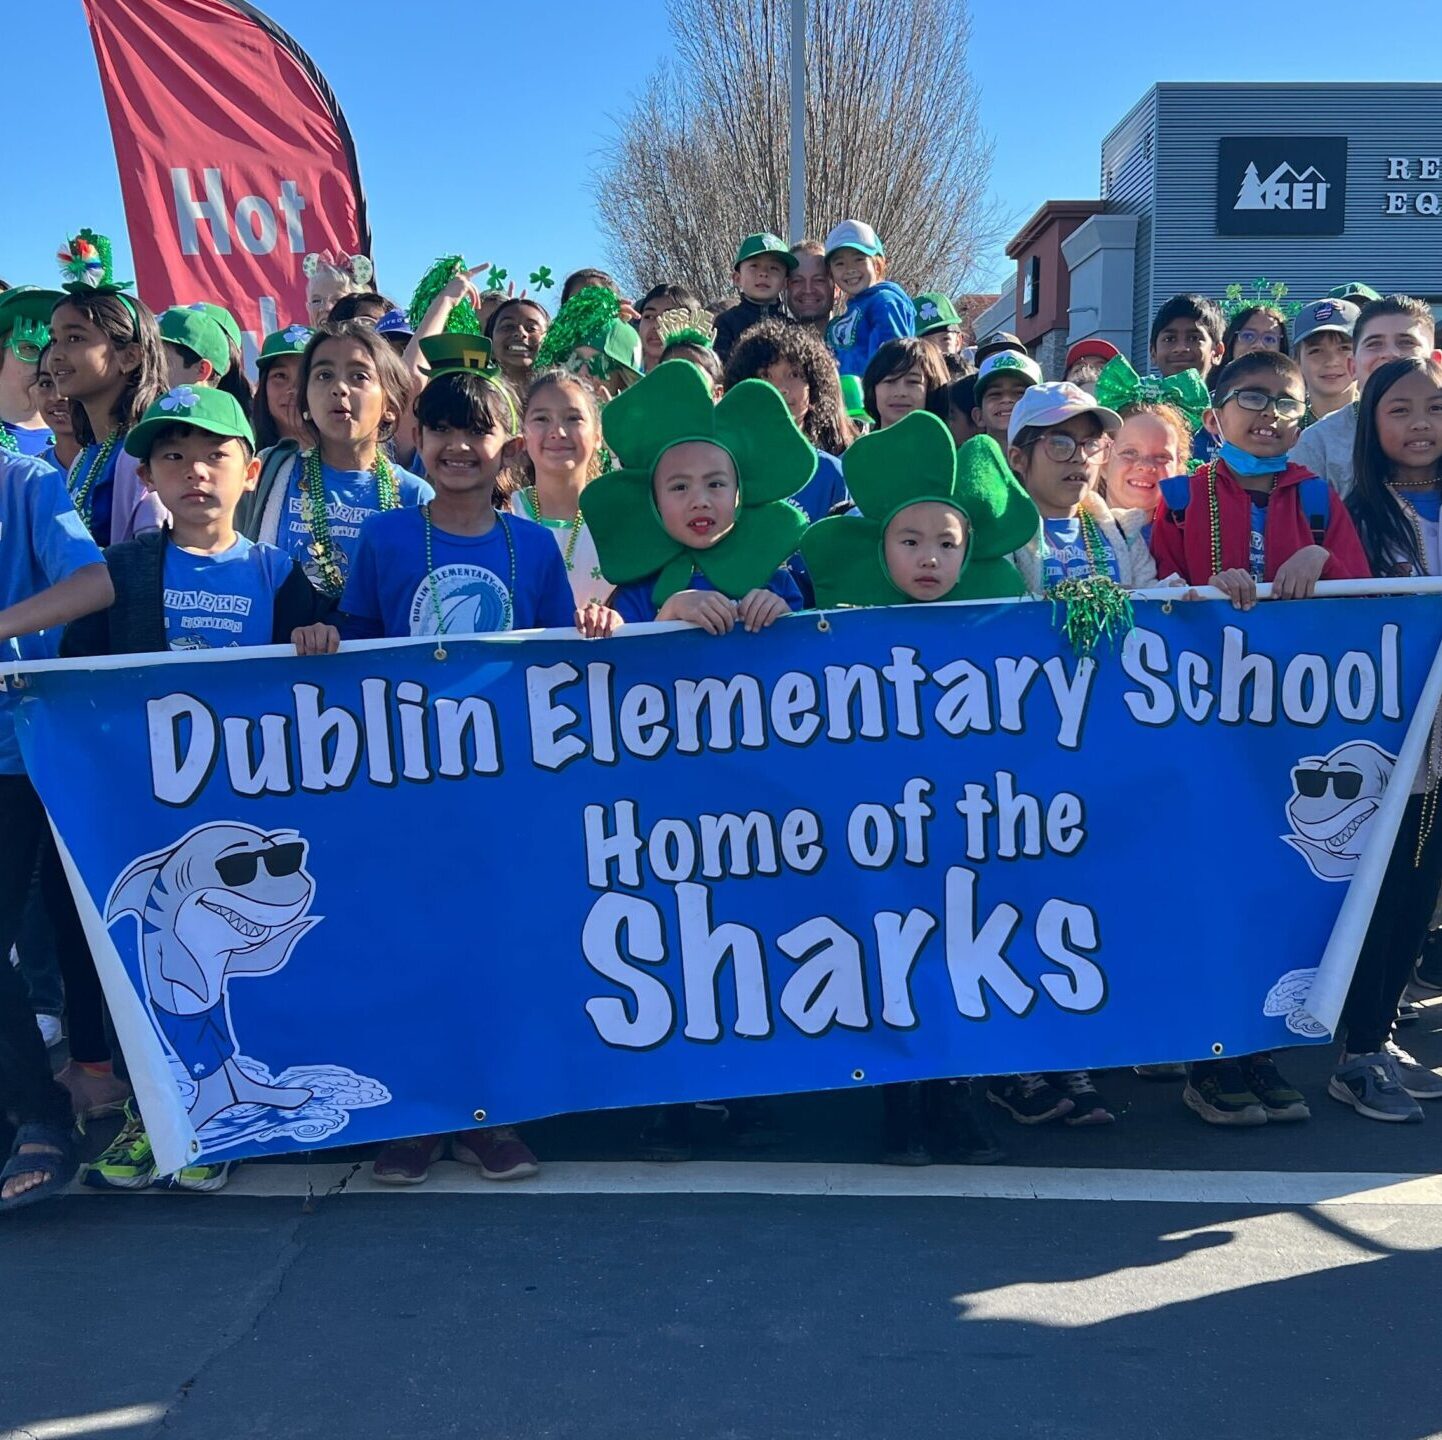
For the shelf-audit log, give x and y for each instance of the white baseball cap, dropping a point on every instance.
(853, 235)
(1006, 362)
(1051, 403)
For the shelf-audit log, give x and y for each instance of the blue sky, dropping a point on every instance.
(500, 173)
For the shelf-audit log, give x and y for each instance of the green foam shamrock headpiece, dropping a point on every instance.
(908, 463)
(1119, 385)
(773, 461)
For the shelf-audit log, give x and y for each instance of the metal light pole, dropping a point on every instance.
(798, 120)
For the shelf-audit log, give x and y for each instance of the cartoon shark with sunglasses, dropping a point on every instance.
(226, 900)
(1333, 798)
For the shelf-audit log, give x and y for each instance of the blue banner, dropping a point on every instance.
(391, 892)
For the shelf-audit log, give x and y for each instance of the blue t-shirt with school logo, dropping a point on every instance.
(351, 499)
(42, 542)
(1065, 552)
(29, 440)
(215, 601)
(467, 589)
(1257, 542)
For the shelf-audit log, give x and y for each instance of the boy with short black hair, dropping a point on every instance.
(1001, 381)
(1397, 327)
(1187, 335)
(759, 273)
(1322, 344)
(196, 584)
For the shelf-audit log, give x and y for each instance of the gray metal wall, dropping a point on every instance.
(1173, 190)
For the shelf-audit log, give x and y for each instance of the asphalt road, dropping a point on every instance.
(599, 1302)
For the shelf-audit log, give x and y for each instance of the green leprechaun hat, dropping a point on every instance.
(909, 463)
(773, 460)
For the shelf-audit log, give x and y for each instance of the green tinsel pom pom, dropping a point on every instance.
(1096, 607)
(580, 321)
(463, 319)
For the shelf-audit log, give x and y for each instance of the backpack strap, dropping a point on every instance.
(1177, 492)
(1316, 496)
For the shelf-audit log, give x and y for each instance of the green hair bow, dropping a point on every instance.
(1120, 385)
(773, 460)
(910, 463)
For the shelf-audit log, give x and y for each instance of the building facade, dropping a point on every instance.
(1208, 185)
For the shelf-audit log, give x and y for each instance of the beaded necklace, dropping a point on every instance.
(533, 499)
(312, 489)
(508, 613)
(84, 497)
(1093, 542)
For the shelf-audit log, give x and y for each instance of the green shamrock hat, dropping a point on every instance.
(193, 327)
(202, 406)
(934, 311)
(773, 461)
(456, 353)
(766, 243)
(224, 319)
(908, 463)
(290, 341)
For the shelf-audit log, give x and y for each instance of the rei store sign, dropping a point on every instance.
(1281, 184)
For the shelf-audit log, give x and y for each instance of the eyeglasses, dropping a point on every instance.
(26, 350)
(278, 860)
(1061, 447)
(1267, 339)
(1346, 784)
(1136, 459)
(1288, 407)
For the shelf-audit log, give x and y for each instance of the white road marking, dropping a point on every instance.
(991, 1182)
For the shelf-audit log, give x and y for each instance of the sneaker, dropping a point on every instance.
(1417, 1079)
(1218, 1092)
(666, 1138)
(1088, 1107)
(52, 1032)
(903, 1124)
(92, 1092)
(200, 1179)
(409, 1161)
(1281, 1100)
(1028, 1099)
(956, 1131)
(1369, 1085)
(127, 1163)
(1161, 1072)
(498, 1153)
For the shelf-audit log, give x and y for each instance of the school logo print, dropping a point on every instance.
(843, 331)
(469, 600)
(1334, 797)
(227, 901)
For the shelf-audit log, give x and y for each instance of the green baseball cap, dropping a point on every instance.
(290, 341)
(202, 406)
(852, 397)
(196, 329)
(621, 343)
(934, 311)
(765, 244)
(1355, 291)
(224, 319)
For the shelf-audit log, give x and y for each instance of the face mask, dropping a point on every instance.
(1241, 463)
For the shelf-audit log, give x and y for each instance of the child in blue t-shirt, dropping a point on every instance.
(454, 565)
(353, 391)
(194, 585)
(697, 524)
(877, 309)
(51, 571)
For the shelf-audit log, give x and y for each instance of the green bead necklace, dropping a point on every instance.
(508, 614)
(84, 497)
(533, 499)
(312, 489)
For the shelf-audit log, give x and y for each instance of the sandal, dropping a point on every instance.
(55, 1159)
(408, 1162)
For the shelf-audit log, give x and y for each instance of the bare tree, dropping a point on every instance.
(893, 137)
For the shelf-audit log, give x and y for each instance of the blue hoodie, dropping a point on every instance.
(880, 313)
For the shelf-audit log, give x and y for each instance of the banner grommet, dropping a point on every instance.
(478, 1116)
(1218, 1048)
(858, 1074)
